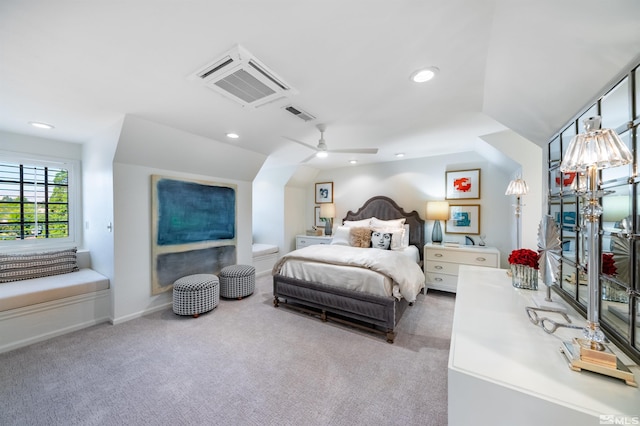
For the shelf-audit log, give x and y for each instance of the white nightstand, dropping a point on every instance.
(306, 240)
(441, 263)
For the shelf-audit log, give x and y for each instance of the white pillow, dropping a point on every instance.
(364, 223)
(341, 236)
(397, 238)
(388, 224)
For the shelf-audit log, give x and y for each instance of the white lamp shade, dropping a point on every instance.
(437, 210)
(517, 187)
(327, 210)
(597, 147)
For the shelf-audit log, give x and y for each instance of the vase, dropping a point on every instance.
(524, 277)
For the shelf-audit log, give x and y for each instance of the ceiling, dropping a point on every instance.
(527, 65)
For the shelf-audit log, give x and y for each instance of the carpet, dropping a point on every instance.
(244, 363)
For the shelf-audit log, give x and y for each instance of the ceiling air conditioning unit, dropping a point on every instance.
(238, 75)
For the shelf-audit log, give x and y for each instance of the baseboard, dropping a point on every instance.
(129, 317)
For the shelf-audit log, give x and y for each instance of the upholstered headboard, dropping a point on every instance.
(386, 209)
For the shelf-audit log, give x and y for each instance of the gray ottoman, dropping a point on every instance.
(237, 281)
(196, 294)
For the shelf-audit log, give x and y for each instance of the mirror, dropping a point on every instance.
(569, 278)
(554, 152)
(620, 172)
(614, 307)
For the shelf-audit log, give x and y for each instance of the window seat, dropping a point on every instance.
(264, 257)
(17, 294)
(37, 309)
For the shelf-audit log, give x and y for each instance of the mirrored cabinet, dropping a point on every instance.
(619, 226)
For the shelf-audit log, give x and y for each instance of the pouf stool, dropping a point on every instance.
(196, 294)
(237, 281)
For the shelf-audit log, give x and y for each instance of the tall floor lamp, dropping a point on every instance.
(591, 151)
(437, 210)
(517, 187)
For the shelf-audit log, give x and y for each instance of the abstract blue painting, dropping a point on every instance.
(194, 229)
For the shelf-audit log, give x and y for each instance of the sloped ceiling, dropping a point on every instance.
(526, 65)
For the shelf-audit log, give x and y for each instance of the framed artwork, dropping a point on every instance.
(318, 221)
(465, 219)
(324, 192)
(462, 184)
(194, 227)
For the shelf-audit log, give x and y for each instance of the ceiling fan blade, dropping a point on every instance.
(355, 151)
(301, 143)
(311, 157)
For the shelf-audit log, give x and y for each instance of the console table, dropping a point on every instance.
(504, 370)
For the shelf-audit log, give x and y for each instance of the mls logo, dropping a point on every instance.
(607, 419)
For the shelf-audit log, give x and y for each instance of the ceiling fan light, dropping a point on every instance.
(322, 154)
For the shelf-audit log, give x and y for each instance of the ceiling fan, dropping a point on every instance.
(322, 150)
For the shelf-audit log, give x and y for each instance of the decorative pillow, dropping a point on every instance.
(381, 240)
(15, 267)
(397, 238)
(341, 236)
(364, 223)
(360, 237)
(389, 224)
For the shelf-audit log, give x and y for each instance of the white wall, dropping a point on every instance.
(411, 183)
(146, 148)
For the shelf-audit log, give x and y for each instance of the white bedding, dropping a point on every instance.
(378, 272)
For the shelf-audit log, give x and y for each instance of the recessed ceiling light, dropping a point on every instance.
(232, 135)
(41, 125)
(399, 154)
(424, 74)
(353, 161)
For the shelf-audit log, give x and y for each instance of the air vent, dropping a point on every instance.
(299, 113)
(238, 75)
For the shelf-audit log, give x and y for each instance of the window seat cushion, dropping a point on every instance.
(263, 249)
(17, 294)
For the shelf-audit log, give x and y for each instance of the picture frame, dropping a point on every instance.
(465, 219)
(462, 184)
(318, 221)
(324, 192)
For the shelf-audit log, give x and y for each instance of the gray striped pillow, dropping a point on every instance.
(15, 267)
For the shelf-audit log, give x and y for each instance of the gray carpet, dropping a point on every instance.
(244, 363)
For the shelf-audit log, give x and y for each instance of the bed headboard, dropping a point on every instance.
(386, 209)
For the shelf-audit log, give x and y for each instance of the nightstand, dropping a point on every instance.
(441, 263)
(306, 240)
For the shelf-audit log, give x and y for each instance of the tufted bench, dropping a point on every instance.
(195, 294)
(237, 281)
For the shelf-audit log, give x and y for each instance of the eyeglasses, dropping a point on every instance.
(547, 324)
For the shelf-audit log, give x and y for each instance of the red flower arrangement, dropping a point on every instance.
(524, 257)
(608, 264)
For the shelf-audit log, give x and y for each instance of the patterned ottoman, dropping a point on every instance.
(237, 281)
(196, 294)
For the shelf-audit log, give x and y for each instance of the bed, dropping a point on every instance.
(336, 300)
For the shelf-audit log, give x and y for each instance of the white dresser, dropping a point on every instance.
(305, 240)
(441, 263)
(504, 370)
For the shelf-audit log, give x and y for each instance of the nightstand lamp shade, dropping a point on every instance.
(328, 212)
(437, 210)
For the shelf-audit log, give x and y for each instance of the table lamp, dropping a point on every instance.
(328, 212)
(589, 152)
(437, 210)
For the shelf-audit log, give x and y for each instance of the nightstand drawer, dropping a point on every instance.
(441, 281)
(479, 258)
(442, 267)
(306, 241)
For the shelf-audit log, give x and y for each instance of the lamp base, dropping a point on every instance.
(580, 357)
(436, 234)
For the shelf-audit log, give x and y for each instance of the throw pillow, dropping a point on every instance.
(15, 267)
(381, 240)
(341, 236)
(364, 223)
(390, 224)
(360, 237)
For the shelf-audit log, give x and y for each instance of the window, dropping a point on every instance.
(36, 202)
